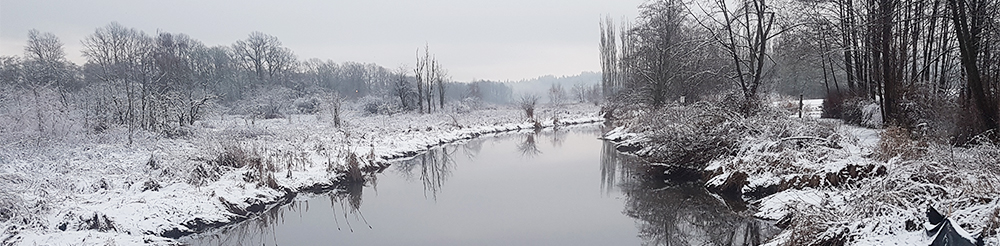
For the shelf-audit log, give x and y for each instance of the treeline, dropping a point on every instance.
(660, 58)
(931, 66)
(164, 81)
(927, 63)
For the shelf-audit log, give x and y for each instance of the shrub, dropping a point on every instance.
(260, 173)
(897, 141)
(992, 227)
(528, 103)
(353, 173)
(871, 115)
(373, 105)
(15, 210)
(853, 107)
(690, 136)
(232, 156)
(151, 185)
(833, 105)
(204, 173)
(468, 104)
(308, 105)
(266, 103)
(968, 126)
(809, 226)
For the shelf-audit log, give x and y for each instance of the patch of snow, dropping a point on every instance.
(777, 206)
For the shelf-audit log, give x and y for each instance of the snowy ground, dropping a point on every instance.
(852, 184)
(99, 190)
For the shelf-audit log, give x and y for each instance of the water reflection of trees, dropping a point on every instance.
(528, 147)
(349, 200)
(345, 201)
(610, 161)
(472, 148)
(558, 136)
(435, 167)
(682, 214)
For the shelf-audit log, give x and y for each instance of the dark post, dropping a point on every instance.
(800, 106)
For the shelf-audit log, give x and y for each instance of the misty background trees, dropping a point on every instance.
(162, 82)
(925, 65)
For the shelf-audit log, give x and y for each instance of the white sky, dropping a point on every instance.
(473, 39)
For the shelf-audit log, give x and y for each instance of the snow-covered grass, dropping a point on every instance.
(95, 188)
(823, 181)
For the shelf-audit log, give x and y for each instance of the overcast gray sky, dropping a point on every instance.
(473, 39)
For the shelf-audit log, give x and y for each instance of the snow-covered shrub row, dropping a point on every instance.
(691, 136)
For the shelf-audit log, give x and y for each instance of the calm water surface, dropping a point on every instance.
(562, 187)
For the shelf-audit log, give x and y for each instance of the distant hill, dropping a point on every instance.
(540, 86)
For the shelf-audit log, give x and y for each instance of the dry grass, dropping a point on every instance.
(956, 179)
(260, 165)
(16, 211)
(353, 172)
(233, 156)
(899, 142)
(810, 225)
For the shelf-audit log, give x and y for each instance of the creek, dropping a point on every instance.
(555, 187)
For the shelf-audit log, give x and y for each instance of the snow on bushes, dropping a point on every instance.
(375, 105)
(692, 136)
(823, 182)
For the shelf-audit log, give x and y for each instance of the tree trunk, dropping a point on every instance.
(968, 44)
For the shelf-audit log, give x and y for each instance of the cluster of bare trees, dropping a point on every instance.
(349, 79)
(913, 58)
(163, 82)
(144, 82)
(37, 86)
(429, 75)
(660, 58)
(482, 91)
(584, 94)
(917, 57)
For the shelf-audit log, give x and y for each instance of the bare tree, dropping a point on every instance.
(336, 102)
(973, 20)
(124, 59)
(402, 87)
(744, 35)
(440, 76)
(429, 74)
(662, 58)
(264, 57)
(188, 76)
(44, 59)
(44, 67)
(418, 72)
(556, 94)
(528, 103)
(609, 58)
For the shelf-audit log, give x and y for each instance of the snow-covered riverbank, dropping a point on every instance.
(822, 181)
(98, 190)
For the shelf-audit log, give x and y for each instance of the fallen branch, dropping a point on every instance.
(803, 138)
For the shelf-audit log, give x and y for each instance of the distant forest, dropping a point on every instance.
(163, 81)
